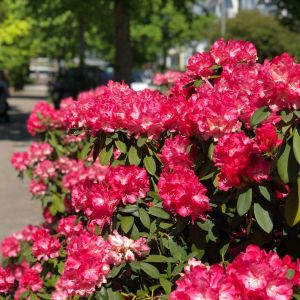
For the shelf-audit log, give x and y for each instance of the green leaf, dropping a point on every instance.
(286, 116)
(144, 217)
(33, 297)
(158, 259)
(133, 156)
(141, 141)
(165, 225)
(287, 165)
(114, 295)
(126, 223)
(211, 150)
(177, 251)
(85, 151)
(116, 270)
(244, 202)
(265, 193)
(150, 164)
(166, 284)
(121, 146)
(260, 115)
(292, 205)
(263, 218)
(158, 212)
(296, 144)
(198, 82)
(106, 154)
(44, 296)
(150, 270)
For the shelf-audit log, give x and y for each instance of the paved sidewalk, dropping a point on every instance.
(17, 209)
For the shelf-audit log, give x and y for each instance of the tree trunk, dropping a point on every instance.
(123, 58)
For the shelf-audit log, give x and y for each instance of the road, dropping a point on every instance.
(17, 209)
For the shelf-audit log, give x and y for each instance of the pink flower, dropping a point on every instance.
(260, 275)
(10, 247)
(204, 282)
(31, 280)
(183, 194)
(233, 52)
(37, 188)
(39, 151)
(281, 77)
(125, 249)
(214, 113)
(20, 161)
(200, 65)
(128, 183)
(174, 153)
(239, 161)
(67, 227)
(86, 267)
(44, 245)
(266, 138)
(6, 281)
(42, 116)
(45, 170)
(166, 78)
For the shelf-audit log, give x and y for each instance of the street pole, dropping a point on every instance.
(223, 17)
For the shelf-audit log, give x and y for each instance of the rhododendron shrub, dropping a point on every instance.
(188, 194)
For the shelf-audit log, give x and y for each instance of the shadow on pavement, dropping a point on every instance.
(15, 130)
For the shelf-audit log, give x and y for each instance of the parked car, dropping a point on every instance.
(70, 82)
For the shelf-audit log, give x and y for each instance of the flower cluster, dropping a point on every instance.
(166, 78)
(240, 158)
(254, 274)
(6, 281)
(99, 197)
(89, 258)
(183, 194)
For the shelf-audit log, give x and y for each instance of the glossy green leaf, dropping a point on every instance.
(105, 155)
(158, 259)
(244, 202)
(263, 218)
(177, 251)
(133, 156)
(287, 165)
(85, 151)
(150, 270)
(260, 115)
(126, 223)
(144, 217)
(296, 144)
(150, 164)
(121, 146)
(141, 141)
(158, 212)
(166, 284)
(265, 193)
(286, 116)
(292, 205)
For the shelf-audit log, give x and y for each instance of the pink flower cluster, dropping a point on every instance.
(88, 261)
(178, 185)
(37, 152)
(45, 246)
(183, 194)
(98, 197)
(166, 78)
(241, 159)
(6, 281)
(253, 275)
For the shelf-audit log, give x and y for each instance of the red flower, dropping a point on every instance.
(183, 194)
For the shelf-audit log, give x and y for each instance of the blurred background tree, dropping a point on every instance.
(264, 31)
(17, 42)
